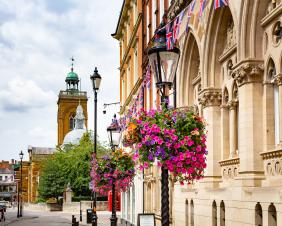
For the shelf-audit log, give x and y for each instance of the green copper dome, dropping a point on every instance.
(72, 76)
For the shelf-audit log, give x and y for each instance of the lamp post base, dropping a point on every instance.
(94, 219)
(113, 220)
(165, 198)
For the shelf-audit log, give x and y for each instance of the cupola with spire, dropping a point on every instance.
(72, 80)
(68, 99)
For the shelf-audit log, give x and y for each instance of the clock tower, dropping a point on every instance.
(68, 101)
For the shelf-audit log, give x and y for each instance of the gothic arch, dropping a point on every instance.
(258, 215)
(221, 24)
(234, 91)
(272, 215)
(222, 213)
(190, 75)
(192, 213)
(271, 69)
(225, 97)
(251, 32)
(214, 213)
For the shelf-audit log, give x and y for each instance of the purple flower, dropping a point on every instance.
(151, 157)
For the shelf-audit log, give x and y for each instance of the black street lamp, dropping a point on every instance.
(114, 132)
(163, 64)
(21, 154)
(96, 80)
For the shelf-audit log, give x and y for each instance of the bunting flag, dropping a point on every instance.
(220, 3)
(169, 37)
(202, 7)
(148, 77)
(141, 98)
(189, 13)
(175, 29)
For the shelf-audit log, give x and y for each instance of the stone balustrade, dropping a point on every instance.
(229, 168)
(272, 161)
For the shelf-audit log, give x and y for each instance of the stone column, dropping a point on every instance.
(268, 116)
(210, 99)
(278, 82)
(249, 79)
(233, 136)
(225, 146)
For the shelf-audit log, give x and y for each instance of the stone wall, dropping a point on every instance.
(72, 207)
(75, 206)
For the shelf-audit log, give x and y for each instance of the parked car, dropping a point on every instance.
(3, 208)
(5, 203)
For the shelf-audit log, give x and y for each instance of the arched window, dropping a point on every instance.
(258, 215)
(192, 213)
(222, 214)
(186, 213)
(214, 214)
(272, 215)
(72, 121)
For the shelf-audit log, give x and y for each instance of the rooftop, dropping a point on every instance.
(41, 150)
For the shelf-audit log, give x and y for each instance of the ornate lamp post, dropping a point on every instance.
(163, 64)
(114, 132)
(96, 80)
(21, 187)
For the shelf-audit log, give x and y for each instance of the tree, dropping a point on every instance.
(52, 179)
(72, 165)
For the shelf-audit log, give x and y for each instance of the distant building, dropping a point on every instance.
(68, 101)
(8, 186)
(72, 124)
(129, 34)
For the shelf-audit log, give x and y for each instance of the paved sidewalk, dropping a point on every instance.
(41, 218)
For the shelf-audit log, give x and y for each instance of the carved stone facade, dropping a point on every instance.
(248, 72)
(230, 68)
(210, 97)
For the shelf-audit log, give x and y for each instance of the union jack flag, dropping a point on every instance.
(181, 16)
(220, 3)
(190, 10)
(175, 29)
(202, 7)
(169, 38)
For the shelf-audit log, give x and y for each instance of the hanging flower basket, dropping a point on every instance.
(117, 168)
(174, 138)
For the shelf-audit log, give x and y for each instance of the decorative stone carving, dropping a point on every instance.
(229, 168)
(277, 79)
(230, 35)
(175, 7)
(232, 104)
(248, 72)
(210, 97)
(272, 163)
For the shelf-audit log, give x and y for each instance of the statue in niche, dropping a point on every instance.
(230, 35)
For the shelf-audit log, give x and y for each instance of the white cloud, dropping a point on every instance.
(37, 39)
(24, 95)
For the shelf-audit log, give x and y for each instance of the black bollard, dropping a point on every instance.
(74, 222)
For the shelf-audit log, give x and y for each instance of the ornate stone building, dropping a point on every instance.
(129, 34)
(230, 68)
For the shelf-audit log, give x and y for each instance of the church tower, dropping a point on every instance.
(68, 101)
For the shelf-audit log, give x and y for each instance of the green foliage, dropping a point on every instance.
(69, 165)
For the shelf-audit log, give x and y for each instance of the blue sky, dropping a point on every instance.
(37, 40)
